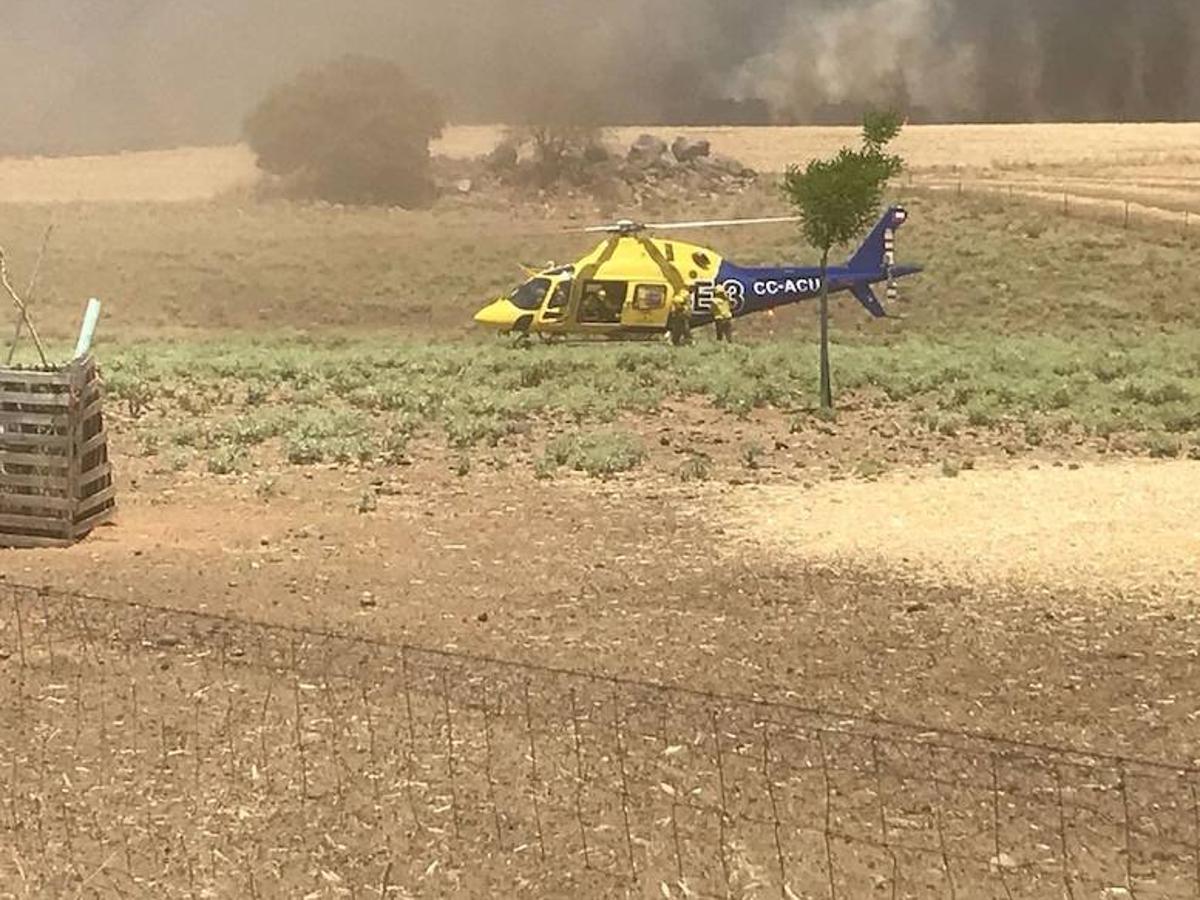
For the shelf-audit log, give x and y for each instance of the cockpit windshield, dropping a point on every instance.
(531, 294)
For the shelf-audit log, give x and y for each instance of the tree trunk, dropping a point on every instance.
(826, 379)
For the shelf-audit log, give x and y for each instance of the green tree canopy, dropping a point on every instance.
(838, 199)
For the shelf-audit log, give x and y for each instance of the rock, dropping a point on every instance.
(687, 149)
(464, 185)
(1002, 863)
(367, 600)
(1116, 893)
(647, 149)
(731, 167)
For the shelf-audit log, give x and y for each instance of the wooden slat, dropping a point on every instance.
(38, 376)
(88, 504)
(19, 504)
(20, 441)
(97, 440)
(87, 525)
(10, 418)
(29, 542)
(92, 405)
(48, 523)
(91, 476)
(28, 399)
(11, 458)
(44, 482)
(9, 389)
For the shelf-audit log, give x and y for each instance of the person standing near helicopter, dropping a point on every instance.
(679, 321)
(722, 316)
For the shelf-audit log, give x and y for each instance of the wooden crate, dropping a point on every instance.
(56, 482)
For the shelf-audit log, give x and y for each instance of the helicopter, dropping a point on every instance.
(623, 289)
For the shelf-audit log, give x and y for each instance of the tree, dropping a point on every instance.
(837, 200)
(561, 150)
(353, 131)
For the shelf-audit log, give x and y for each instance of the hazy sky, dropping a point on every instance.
(102, 74)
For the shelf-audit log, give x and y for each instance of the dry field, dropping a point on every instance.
(1136, 152)
(975, 549)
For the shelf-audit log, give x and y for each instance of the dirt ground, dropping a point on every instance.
(1055, 602)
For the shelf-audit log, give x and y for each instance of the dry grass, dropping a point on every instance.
(164, 176)
(201, 173)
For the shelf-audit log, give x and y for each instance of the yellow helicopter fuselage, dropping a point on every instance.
(622, 289)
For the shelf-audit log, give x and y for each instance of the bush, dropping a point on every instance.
(561, 150)
(354, 131)
(597, 453)
(697, 467)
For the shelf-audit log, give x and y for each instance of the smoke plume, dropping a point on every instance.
(98, 75)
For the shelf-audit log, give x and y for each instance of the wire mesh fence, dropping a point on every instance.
(146, 751)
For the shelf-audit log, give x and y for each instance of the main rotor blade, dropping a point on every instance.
(627, 227)
(720, 223)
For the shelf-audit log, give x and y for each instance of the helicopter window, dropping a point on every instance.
(702, 260)
(561, 295)
(602, 301)
(649, 297)
(531, 294)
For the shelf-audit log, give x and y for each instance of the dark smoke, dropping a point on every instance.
(97, 75)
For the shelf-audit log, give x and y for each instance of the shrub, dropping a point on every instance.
(752, 455)
(1163, 446)
(226, 461)
(597, 453)
(870, 469)
(697, 467)
(354, 131)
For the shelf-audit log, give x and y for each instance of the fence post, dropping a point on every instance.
(1126, 215)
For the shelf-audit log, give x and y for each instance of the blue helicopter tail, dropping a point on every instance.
(872, 255)
(876, 260)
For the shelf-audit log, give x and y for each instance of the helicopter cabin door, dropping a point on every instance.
(555, 308)
(648, 307)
